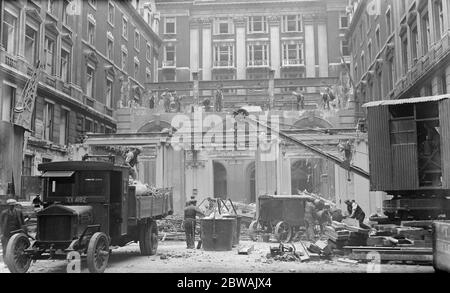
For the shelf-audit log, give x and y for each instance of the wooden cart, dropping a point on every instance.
(280, 215)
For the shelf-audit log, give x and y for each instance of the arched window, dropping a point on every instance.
(220, 181)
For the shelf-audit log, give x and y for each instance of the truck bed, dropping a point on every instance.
(154, 206)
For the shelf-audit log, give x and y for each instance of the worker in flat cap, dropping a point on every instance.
(11, 220)
(190, 214)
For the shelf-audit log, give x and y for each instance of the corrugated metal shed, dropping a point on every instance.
(379, 149)
(407, 101)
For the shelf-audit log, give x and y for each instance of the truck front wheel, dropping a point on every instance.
(148, 238)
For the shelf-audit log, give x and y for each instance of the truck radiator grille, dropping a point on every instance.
(55, 228)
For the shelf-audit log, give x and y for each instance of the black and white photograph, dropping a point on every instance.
(203, 138)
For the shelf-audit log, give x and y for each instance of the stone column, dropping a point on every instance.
(310, 50)
(21, 34)
(431, 17)
(160, 168)
(446, 10)
(241, 60)
(194, 58)
(323, 49)
(274, 25)
(206, 49)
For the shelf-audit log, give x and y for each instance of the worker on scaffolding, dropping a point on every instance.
(132, 161)
(219, 99)
(300, 100)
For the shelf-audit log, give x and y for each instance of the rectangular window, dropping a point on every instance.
(87, 125)
(110, 49)
(124, 60)
(223, 55)
(369, 50)
(345, 49)
(51, 7)
(30, 44)
(343, 21)
(49, 55)
(136, 69)
(125, 28)
(109, 92)
(65, 65)
(8, 102)
(378, 38)
(27, 165)
(91, 33)
(426, 36)
(438, 18)
(391, 72)
(414, 44)
(137, 40)
(111, 13)
(405, 54)
(258, 55)
(292, 54)
(257, 24)
(90, 81)
(389, 22)
(65, 15)
(148, 52)
(148, 75)
(292, 23)
(363, 62)
(9, 32)
(169, 26)
(64, 127)
(49, 112)
(170, 55)
(222, 26)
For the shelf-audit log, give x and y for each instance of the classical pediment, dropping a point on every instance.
(33, 13)
(90, 56)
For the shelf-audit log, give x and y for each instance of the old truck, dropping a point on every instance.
(90, 206)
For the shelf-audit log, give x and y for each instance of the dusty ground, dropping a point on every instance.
(173, 257)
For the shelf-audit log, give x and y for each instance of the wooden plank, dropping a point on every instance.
(417, 224)
(371, 248)
(395, 257)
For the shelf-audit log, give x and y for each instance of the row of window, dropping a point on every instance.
(110, 37)
(258, 55)
(255, 24)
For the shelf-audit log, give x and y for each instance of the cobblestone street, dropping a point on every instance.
(172, 257)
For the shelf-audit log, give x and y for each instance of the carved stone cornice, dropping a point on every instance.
(240, 20)
(34, 14)
(274, 19)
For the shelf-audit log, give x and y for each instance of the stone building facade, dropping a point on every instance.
(97, 55)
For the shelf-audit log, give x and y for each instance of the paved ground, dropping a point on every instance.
(173, 257)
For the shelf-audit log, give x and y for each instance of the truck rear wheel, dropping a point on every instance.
(148, 238)
(98, 253)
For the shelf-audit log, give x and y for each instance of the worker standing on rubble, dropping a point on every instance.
(356, 212)
(310, 220)
(132, 161)
(190, 214)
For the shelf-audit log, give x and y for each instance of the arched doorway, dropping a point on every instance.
(220, 180)
(251, 182)
(301, 176)
(156, 126)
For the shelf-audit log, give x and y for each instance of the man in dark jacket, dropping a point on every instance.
(356, 212)
(11, 220)
(190, 214)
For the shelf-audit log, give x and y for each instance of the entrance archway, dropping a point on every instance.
(220, 180)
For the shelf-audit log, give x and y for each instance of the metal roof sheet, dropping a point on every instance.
(406, 101)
